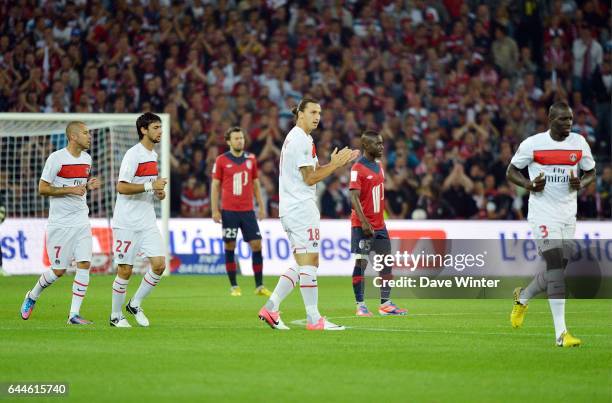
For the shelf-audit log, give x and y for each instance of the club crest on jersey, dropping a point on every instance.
(249, 164)
(573, 157)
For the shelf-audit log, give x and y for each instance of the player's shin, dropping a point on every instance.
(385, 289)
(119, 289)
(148, 283)
(310, 292)
(556, 299)
(258, 268)
(44, 281)
(230, 267)
(358, 282)
(538, 284)
(79, 288)
(286, 283)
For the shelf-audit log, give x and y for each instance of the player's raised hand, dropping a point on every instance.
(216, 216)
(574, 181)
(537, 185)
(159, 183)
(160, 194)
(340, 158)
(355, 154)
(79, 190)
(93, 183)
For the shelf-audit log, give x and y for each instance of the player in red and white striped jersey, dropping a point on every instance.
(134, 222)
(65, 180)
(368, 229)
(235, 177)
(555, 159)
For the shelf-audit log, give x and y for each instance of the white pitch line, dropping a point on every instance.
(467, 313)
(302, 322)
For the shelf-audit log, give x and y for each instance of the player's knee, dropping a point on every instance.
(59, 272)
(158, 266)
(83, 265)
(256, 245)
(124, 271)
(231, 245)
(159, 270)
(553, 258)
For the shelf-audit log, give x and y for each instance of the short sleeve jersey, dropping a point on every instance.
(298, 151)
(369, 177)
(137, 211)
(236, 175)
(556, 159)
(62, 169)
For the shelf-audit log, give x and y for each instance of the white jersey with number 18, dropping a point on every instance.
(298, 151)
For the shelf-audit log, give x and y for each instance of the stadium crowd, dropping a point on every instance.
(453, 85)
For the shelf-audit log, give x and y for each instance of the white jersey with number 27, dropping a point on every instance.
(136, 212)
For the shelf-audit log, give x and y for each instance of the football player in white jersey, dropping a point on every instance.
(555, 160)
(134, 222)
(65, 180)
(299, 172)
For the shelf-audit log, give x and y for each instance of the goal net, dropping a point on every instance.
(26, 140)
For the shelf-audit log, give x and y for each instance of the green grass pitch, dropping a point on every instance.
(204, 345)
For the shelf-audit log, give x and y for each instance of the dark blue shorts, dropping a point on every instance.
(232, 221)
(361, 245)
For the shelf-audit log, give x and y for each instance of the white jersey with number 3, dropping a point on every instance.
(556, 159)
(298, 151)
(62, 169)
(137, 211)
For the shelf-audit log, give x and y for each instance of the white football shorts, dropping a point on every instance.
(303, 228)
(551, 235)
(127, 244)
(67, 243)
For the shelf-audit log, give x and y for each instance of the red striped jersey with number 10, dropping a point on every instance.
(236, 175)
(369, 178)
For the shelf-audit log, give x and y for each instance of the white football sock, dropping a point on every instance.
(79, 288)
(149, 281)
(310, 292)
(286, 283)
(44, 281)
(557, 307)
(119, 288)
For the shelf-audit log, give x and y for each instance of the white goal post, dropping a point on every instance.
(27, 139)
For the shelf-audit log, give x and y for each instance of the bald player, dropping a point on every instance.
(560, 163)
(65, 180)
